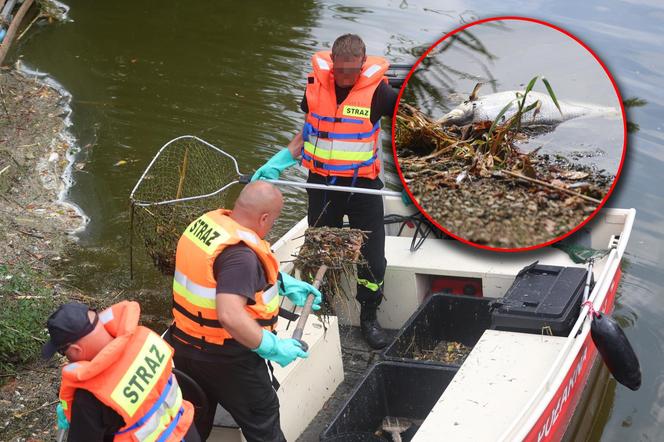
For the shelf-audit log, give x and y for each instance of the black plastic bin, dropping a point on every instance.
(389, 389)
(541, 297)
(442, 317)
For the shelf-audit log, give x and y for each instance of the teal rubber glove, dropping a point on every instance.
(297, 291)
(405, 198)
(63, 423)
(275, 165)
(281, 351)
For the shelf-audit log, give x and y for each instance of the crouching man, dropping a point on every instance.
(119, 384)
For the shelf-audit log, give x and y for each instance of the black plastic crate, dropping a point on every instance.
(389, 389)
(442, 317)
(542, 297)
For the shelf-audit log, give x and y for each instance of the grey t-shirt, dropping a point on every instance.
(239, 271)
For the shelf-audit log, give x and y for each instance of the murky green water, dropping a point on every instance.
(144, 72)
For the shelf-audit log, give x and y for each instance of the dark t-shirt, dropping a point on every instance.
(382, 103)
(238, 271)
(91, 420)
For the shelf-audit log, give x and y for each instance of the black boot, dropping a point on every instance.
(371, 330)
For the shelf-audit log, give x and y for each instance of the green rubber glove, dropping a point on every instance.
(63, 423)
(275, 165)
(405, 198)
(297, 291)
(281, 351)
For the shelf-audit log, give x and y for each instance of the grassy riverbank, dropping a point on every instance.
(35, 228)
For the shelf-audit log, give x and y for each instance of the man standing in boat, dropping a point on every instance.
(225, 304)
(345, 97)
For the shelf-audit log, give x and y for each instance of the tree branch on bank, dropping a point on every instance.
(13, 28)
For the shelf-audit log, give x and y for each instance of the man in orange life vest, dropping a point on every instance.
(225, 305)
(119, 385)
(345, 98)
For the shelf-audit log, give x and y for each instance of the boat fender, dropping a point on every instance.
(616, 350)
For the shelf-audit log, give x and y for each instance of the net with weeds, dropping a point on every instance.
(184, 180)
(339, 250)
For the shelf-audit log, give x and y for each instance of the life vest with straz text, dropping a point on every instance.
(340, 140)
(133, 376)
(195, 285)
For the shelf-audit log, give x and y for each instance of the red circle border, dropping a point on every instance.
(622, 158)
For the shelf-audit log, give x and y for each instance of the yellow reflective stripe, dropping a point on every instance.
(198, 301)
(271, 299)
(206, 234)
(158, 422)
(271, 294)
(192, 287)
(370, 285)
(336, 154)
(342, 146)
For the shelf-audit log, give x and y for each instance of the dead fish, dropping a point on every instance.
(482, 109)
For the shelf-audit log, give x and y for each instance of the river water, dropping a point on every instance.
(143, 72)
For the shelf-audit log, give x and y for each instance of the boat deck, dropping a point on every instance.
(493, 385)
(502, 374)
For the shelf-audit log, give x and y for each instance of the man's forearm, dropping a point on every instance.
(235, 319)
(295, 146)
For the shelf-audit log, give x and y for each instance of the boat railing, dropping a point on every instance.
(536, 406)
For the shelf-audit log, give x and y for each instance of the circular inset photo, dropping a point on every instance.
(509, 134)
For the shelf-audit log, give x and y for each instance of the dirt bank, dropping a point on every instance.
(35, 226)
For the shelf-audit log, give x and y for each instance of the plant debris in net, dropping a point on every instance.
(476, 183)
(447, 352)
(339, 250)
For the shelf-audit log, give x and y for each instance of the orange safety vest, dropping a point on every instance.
(195, 285)
(133, 376)
(339, 140)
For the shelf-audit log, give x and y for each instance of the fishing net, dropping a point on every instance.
(581, 254)
(185, 179)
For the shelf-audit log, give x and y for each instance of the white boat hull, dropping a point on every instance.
(551, 384)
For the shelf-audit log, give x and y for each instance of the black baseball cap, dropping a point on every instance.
(68, 324)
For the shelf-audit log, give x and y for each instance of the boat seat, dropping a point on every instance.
(493, 385)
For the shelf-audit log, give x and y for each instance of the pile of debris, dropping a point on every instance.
(478, 185)
(339, 250)
(447, 352)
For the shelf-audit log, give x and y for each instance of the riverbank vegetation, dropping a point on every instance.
(34, 230)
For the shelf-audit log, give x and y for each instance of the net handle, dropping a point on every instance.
(244, 179)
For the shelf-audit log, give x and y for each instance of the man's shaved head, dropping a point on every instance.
(258, 206)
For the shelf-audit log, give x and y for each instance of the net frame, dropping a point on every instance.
(140, 181)
(187, 177)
